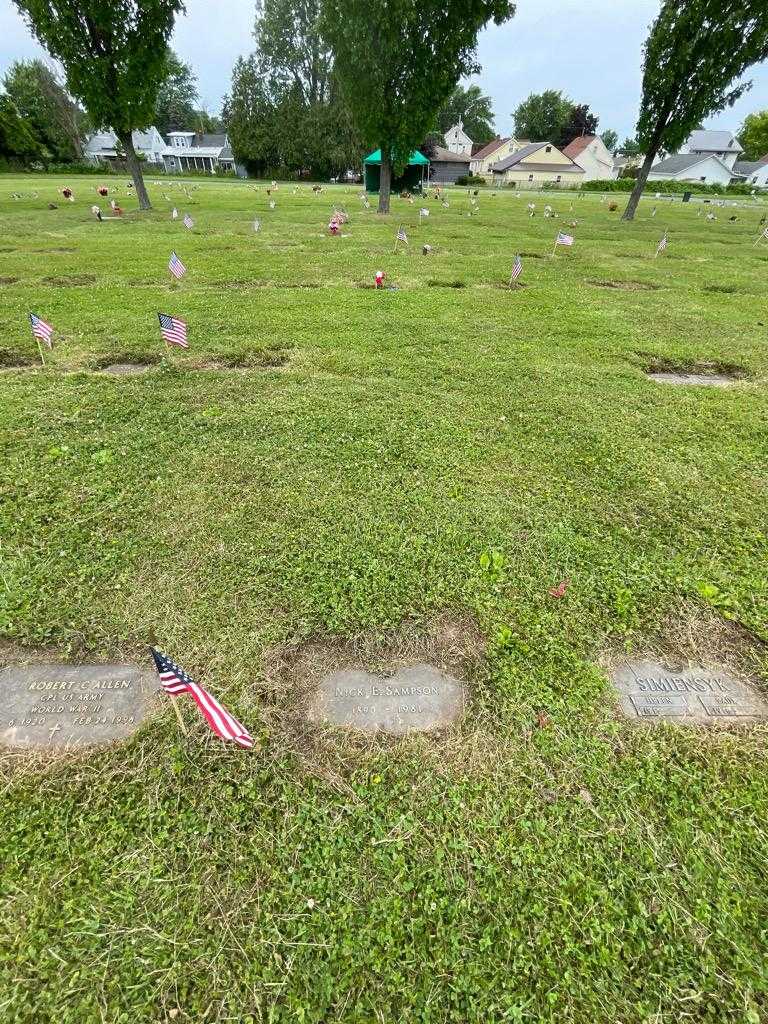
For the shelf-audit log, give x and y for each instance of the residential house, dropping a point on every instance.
(103, 147)
(593, 156)
(457, 140)
(496, 150)
(723, 145)
(752, 172)
(194, 151)
(445, 167)
(707, 169)
(537, 164)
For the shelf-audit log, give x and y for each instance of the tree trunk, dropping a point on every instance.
(134, 166)
(385, 180)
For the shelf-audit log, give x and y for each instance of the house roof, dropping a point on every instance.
(522, 155)
(682, 162)
(704, 141)
(445, 156)
(490, 148)
(746, 167)
(578, 145)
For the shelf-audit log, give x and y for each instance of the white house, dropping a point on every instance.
(593, 156)
(193, 151)
(457, 140)
(692, 167)
(102, 147)
(494, 151)
(724, 145)
(752, 172)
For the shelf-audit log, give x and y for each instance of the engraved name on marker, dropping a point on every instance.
(60, 706)
(649, 690)
(416, 699)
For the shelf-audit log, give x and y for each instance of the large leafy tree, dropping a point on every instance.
(695, 52)
(473, 109)
(754, 135)
(542, 117)
(17, 143)
(176, 97)
(114, 57)
(48, 110)
(610, 139)
(399, 61)
(579, 122)
(285, 110)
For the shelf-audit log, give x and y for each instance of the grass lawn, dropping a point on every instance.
(385, 472)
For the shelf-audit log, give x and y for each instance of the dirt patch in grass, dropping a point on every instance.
(71, 280)
(298, 284)
(255, 359)
(433, 283)
(451, 642)
(629, 286)
(140, 359)
(8, 280)
(720, 289)
(10, 360)
(531, 256)
(715, 372)
(57, 249)
(504, 286)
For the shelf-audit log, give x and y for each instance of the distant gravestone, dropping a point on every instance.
(60, 706)
(416, 699)
(711, 380)
(697, 696)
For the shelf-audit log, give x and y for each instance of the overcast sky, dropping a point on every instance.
(591, 50)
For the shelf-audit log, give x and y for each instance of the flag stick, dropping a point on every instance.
(397, 238)
(178, 715)
(40, 350)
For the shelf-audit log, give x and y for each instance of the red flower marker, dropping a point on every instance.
(379, 278)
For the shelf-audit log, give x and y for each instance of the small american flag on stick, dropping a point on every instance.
(173, 330)
(662, 244)
(563, 239)
(176, 267)
(41, 330)
(188, 222)
(175, 681)
(517, 269)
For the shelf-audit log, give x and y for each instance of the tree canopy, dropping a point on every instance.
(285, 112)
(50, 114)
(610, 139)
(399, 62)
(473, 109)
(17, 143)
(114, 56)
(695, 54)
(550, 116)
(753, 135)
(176, 97)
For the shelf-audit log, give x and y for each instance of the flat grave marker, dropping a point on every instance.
(58, 706)
(415, 699)
(648, 691)
(711, 380)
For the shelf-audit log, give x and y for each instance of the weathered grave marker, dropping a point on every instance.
(416, 699)
(712, 380)
(58, 706)
(648, 690)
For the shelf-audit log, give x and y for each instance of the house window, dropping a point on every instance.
(530, 177)
(548, 149)
(559, 178)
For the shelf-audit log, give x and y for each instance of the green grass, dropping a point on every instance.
(338, 475)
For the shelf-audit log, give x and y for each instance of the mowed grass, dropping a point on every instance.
(332, 463)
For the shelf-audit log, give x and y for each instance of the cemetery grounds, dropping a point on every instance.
(385, 473)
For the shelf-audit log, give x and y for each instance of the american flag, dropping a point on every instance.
(423, 212)
(662, 244)
(173, 330)
(563, 239)
(401, 235)
(271, 204)
(517, 269)
(188, 222)
(176, 267)
(174, 213)
(41, 330)
(175, 681)
(257, 224)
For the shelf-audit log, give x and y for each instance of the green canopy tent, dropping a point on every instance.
(411, 179)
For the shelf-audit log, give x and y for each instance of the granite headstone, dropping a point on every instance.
(415, 699)
(647, 690)
(63, 706)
